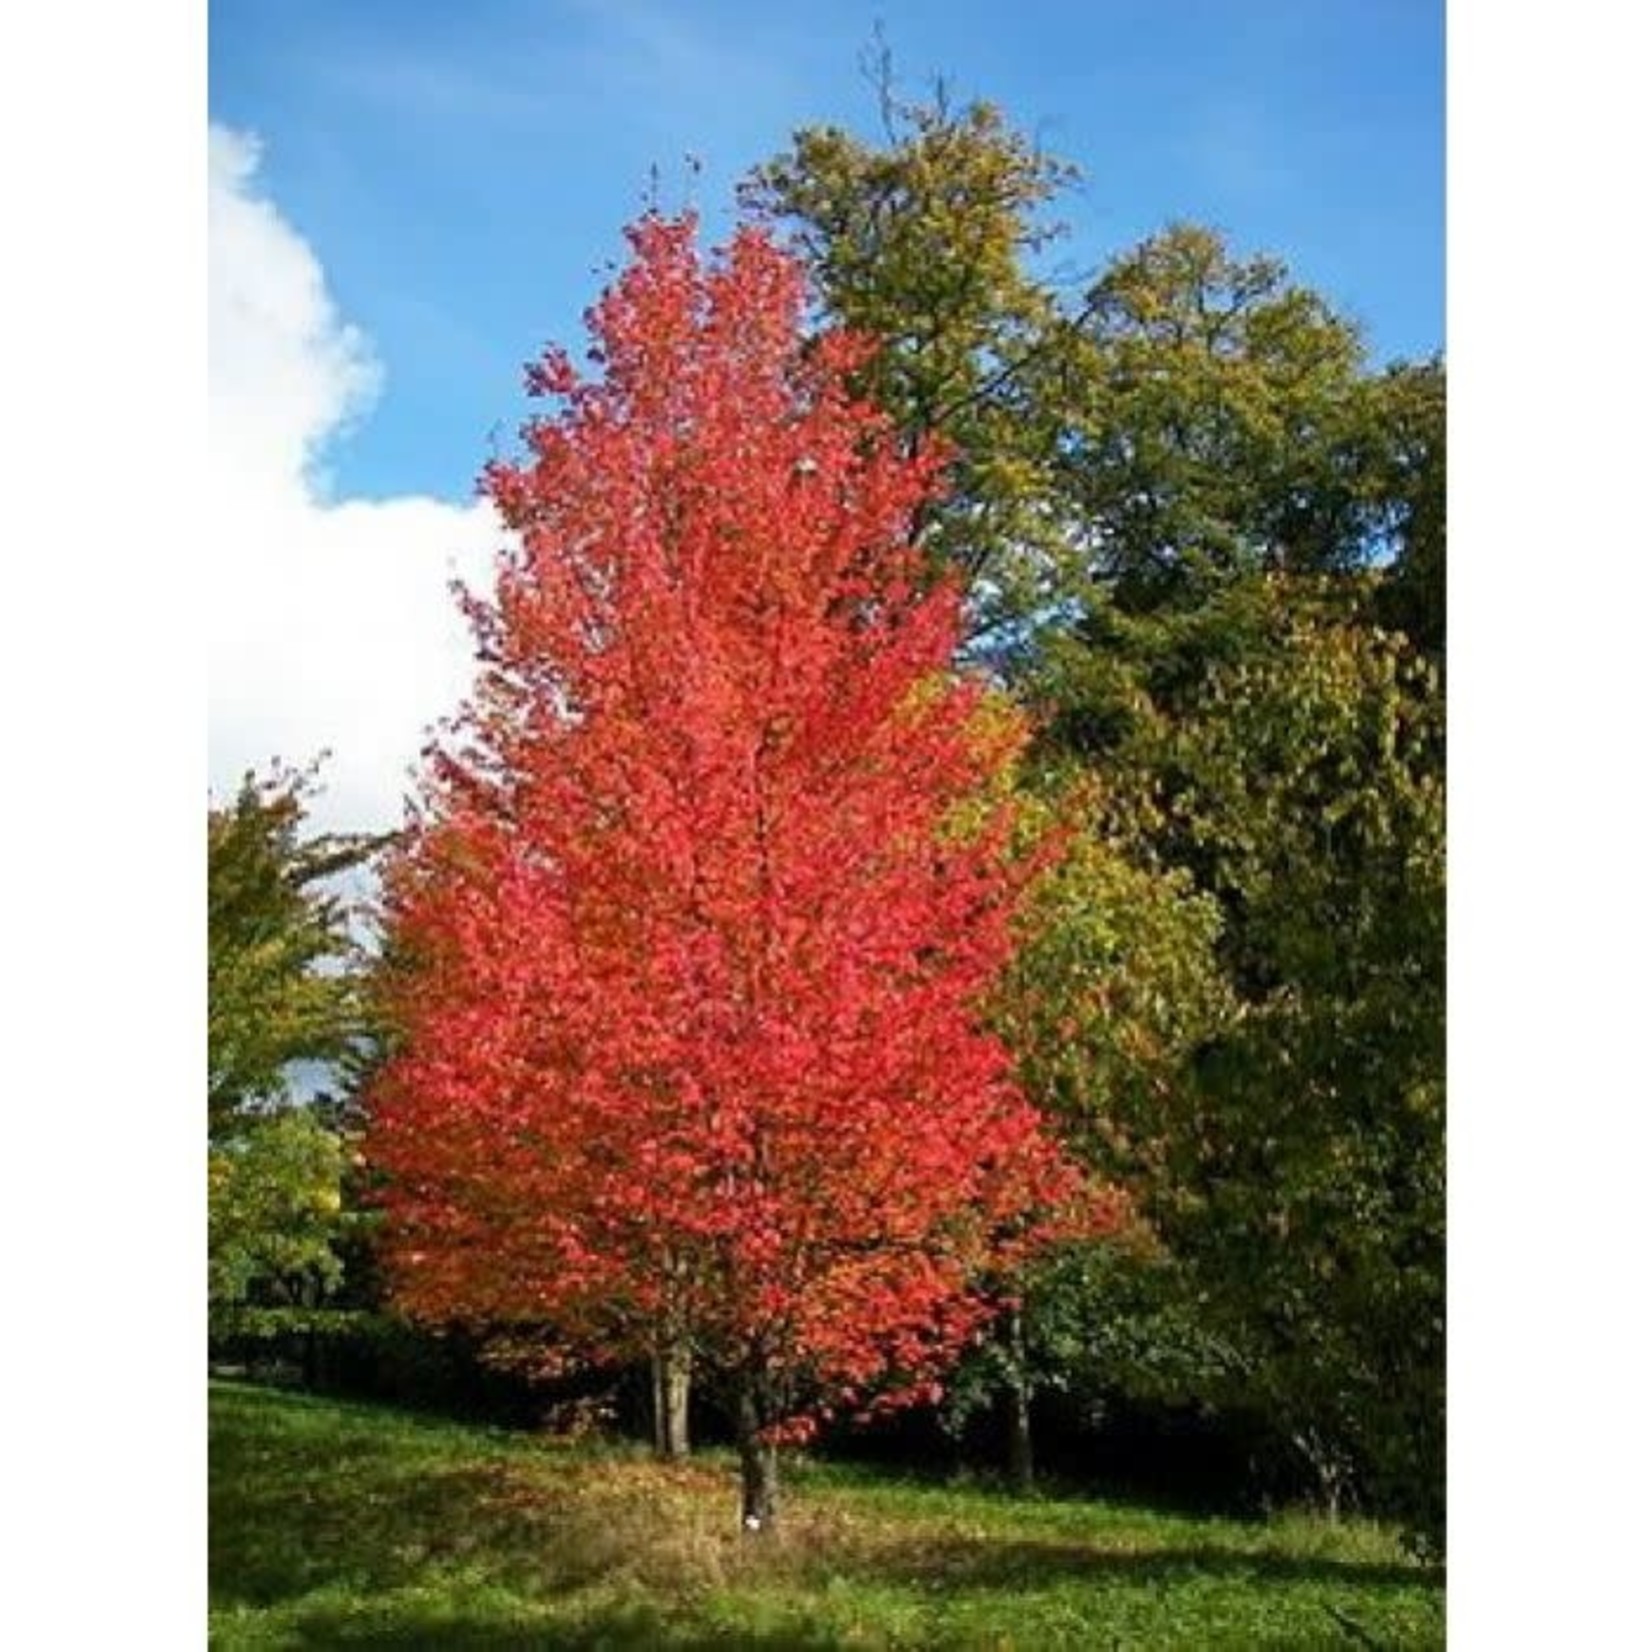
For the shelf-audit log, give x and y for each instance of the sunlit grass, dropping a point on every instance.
(345, 1525)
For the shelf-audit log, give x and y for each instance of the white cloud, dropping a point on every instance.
(332, 622)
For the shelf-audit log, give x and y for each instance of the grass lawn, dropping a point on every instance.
(347, 1525)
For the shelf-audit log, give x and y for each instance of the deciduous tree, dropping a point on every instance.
(923, 244)
(713, 880)
(1295, 777)
(1222, 419)
(283, 988)
(276, 1213)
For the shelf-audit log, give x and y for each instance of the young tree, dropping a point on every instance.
(275, 1214)
(281, 990)
(279, 986)
(712, 883)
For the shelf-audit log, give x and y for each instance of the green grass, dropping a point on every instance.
(356, 1526)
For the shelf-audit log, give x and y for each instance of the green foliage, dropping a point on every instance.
(1198, 414)
(237, 1324)
(1294, 1166)
(344, 1525)
(1100, 1319)
(1221, 420)
(1310, 1173)
(922, 244)
(1413, 596)
(1114, 984)
(280, 988)
(275, 1212)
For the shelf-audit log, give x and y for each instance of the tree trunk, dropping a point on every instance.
(1019, 1407)
(1329, 1470)
(672, 1371)
(1020, 1437)
(759, 1463)
(309, 1358)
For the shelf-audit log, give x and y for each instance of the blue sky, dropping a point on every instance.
(409, 200)
(461, 173)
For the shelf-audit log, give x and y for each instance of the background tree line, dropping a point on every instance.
(1203, 537)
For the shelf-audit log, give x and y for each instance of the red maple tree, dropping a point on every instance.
(710, 882)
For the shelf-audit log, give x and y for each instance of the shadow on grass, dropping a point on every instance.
(293, 1511)
(1008, 1564)
(616, 1629)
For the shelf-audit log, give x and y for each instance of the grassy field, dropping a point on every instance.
(355, 1526)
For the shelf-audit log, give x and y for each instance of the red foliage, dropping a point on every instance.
(706, 896)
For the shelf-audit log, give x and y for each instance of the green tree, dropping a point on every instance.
(1413, 594)
(1114, 987)
(282, 986)
(1310, 1182)
(1222, 420)
(275, 1212)
(1296, 1166)
(1195, 414)
(1116, 982)
(924, 244)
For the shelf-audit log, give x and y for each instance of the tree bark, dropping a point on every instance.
(759, 1462)
(1020, 1406)
(672, 1370)
(1329, 1470)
